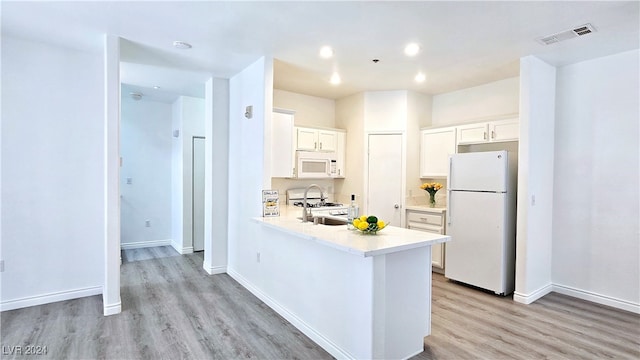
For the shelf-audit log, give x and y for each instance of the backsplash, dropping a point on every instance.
(282, 185)
(423, 199)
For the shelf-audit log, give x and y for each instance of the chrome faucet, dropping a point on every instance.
(306, 214)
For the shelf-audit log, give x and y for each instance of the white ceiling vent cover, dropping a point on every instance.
(568, 34)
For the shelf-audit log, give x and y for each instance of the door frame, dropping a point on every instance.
(403, 174)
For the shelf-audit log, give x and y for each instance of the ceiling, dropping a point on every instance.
(463, 44)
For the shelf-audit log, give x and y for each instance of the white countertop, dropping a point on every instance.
(388, 240)
(426, 208)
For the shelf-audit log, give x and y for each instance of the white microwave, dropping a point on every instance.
(315, 165)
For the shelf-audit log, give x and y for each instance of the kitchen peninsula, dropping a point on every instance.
(358, 296)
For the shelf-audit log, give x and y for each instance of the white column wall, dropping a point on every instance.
(53, 189)
(216, 176)
(251, 87)
(111, 302)
(596, 246)
(535, 180)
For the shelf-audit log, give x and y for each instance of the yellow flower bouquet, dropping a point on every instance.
(432, 189)
(369, 224)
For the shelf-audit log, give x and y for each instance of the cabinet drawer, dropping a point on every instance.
(426, 228)
(425, 218)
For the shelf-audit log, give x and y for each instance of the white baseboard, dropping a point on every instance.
(180, 249)
(212, 270)
(50, 298)
(145, 244)
(597, 298)
(112, 309)
(314, 335)
(529, 298)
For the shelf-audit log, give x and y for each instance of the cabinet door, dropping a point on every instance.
(282, 156)
(306, 139)
(436, 146)
(326, 140)
(472, 133)
(504, 130)
(434, 223)
(341, 145)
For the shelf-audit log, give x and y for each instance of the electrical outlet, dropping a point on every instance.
(258, 257)
(147, 223)
(129, 181)
(1, 265)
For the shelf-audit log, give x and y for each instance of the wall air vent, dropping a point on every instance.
(568, 34)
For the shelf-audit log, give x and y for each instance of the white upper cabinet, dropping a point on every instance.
(327, 140)
(472, 133)
(309, 139)
(436, 146)
(492, 131)
(282, 148)
(306, 139)
(504, 130)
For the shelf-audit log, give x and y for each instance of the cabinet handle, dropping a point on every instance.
(315, 145)
(338, 172)
(321, 145)
(493, 134)
(484, 135)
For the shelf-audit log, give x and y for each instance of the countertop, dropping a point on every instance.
(426, 208)
(389, 240)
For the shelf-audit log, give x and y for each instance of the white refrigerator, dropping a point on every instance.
(481, 210)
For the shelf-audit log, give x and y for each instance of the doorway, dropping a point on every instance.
(385, 177)
(197, 192)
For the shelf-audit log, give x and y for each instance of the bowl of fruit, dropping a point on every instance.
(369, 225)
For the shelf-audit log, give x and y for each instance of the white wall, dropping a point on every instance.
(492, 100)
(310, 110)
(418, 115)
(52, 173)
(535, 180)
(350, 116)
(188, 116)
(247, 164)
(596, 246)
(145, 140)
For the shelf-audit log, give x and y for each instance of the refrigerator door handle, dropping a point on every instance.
(448, 207)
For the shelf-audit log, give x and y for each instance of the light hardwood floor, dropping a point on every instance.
(173, 310)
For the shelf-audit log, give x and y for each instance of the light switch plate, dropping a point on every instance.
(1, 265)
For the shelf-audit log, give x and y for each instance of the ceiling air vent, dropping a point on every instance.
(568, 34)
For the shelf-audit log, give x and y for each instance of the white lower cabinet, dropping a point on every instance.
(430, 220)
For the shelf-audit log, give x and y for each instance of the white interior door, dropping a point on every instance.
(384, 195)
(198, 194)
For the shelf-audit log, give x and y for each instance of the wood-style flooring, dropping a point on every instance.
(173, 310)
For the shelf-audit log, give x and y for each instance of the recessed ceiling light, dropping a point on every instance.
(182, 45)
(420, 77)
(136, 95)
(156, 87)
(335, 79)
(326, 52)
(412, 49)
